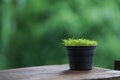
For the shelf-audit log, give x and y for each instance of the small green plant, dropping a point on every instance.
(79, 42)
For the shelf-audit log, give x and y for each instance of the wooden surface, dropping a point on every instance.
(58, 72)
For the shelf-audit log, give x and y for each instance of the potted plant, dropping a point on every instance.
(80, 53)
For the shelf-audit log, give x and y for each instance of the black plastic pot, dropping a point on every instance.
(81, 57)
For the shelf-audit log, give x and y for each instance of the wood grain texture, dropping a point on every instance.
(58, 72)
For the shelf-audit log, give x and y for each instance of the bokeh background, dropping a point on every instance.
(31, 31)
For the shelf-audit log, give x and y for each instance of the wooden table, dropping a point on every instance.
(58, 72)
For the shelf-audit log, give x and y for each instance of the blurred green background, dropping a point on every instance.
(31, 31)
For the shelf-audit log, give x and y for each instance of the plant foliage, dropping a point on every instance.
(79, 42)
(30, 27)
